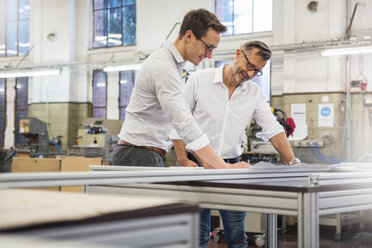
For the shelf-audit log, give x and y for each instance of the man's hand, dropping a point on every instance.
(239, 165)
(187, 163)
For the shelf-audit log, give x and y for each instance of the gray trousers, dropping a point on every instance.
(136, 156)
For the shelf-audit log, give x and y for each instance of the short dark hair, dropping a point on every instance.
(263, 49)
(199, 21)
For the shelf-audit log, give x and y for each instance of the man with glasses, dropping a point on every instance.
(156, 104)
(223, 101)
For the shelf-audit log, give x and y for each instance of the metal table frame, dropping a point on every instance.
(301, 193)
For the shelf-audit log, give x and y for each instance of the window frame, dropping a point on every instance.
(17, 31)
(19, 139)
(120, 92)
(93, 95)
(106, 8)
(233, 34)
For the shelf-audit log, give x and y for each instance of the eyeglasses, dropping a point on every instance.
(251, 67)
(208, 48)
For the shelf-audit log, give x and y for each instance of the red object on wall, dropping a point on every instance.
(289, 126)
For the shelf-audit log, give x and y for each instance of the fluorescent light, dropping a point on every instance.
(345, 50)
(122, 67)
(29, 72)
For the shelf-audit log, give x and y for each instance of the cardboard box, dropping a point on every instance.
(60, 164)
(22, 164)
(77, 164)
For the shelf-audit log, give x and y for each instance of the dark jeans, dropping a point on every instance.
(136, 156)
(233, 222)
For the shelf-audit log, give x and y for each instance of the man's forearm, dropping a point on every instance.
(179, 146)
(281, 144)
(182, 158)
(208, 155)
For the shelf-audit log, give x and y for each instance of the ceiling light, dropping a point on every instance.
(345, 50)
(29, 72)
(122, 67)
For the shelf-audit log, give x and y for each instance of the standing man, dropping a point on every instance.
(223, 101)
(157, 104)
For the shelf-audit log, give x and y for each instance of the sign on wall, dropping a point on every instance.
(326, 115)
(298, 113)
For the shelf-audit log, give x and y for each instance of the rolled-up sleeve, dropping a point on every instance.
(267, 121)
(173, 135)
(168, 90)
(189, 94)
(194, 145)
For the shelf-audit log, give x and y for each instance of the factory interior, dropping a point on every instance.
(92, 89)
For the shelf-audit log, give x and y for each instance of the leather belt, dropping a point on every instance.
(159, 151)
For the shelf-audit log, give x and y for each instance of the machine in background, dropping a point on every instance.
(96, 137)
(36, 133)
(256, 149)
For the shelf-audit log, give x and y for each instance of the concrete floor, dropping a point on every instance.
(289, 240)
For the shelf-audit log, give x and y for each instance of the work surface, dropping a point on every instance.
(91, 220)
(269, 188)
(20, 208)
(302, 178)
(305, 191)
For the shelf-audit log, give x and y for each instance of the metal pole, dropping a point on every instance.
(348, 110)
(271, 235)
(310, 221)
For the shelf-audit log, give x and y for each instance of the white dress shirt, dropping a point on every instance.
(224, 120)
(156, 104)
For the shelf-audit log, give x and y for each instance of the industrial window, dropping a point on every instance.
(14, 27)
(114, 23)
(2, 110)
(245, 16)
(21, 107)
(126, 87)
(99, 94)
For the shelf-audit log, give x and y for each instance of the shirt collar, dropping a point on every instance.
(218, 78)
(176, 54)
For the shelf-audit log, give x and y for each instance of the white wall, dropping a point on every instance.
(303, 72)
(362, 21)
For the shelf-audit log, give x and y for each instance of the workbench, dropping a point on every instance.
(89, 220)
(307, 191)
(290, 191)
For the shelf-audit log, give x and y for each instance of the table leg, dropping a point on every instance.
(308, 221)
(271, 235)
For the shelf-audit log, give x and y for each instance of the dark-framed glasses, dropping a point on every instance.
(251, 67)
(207, 47)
